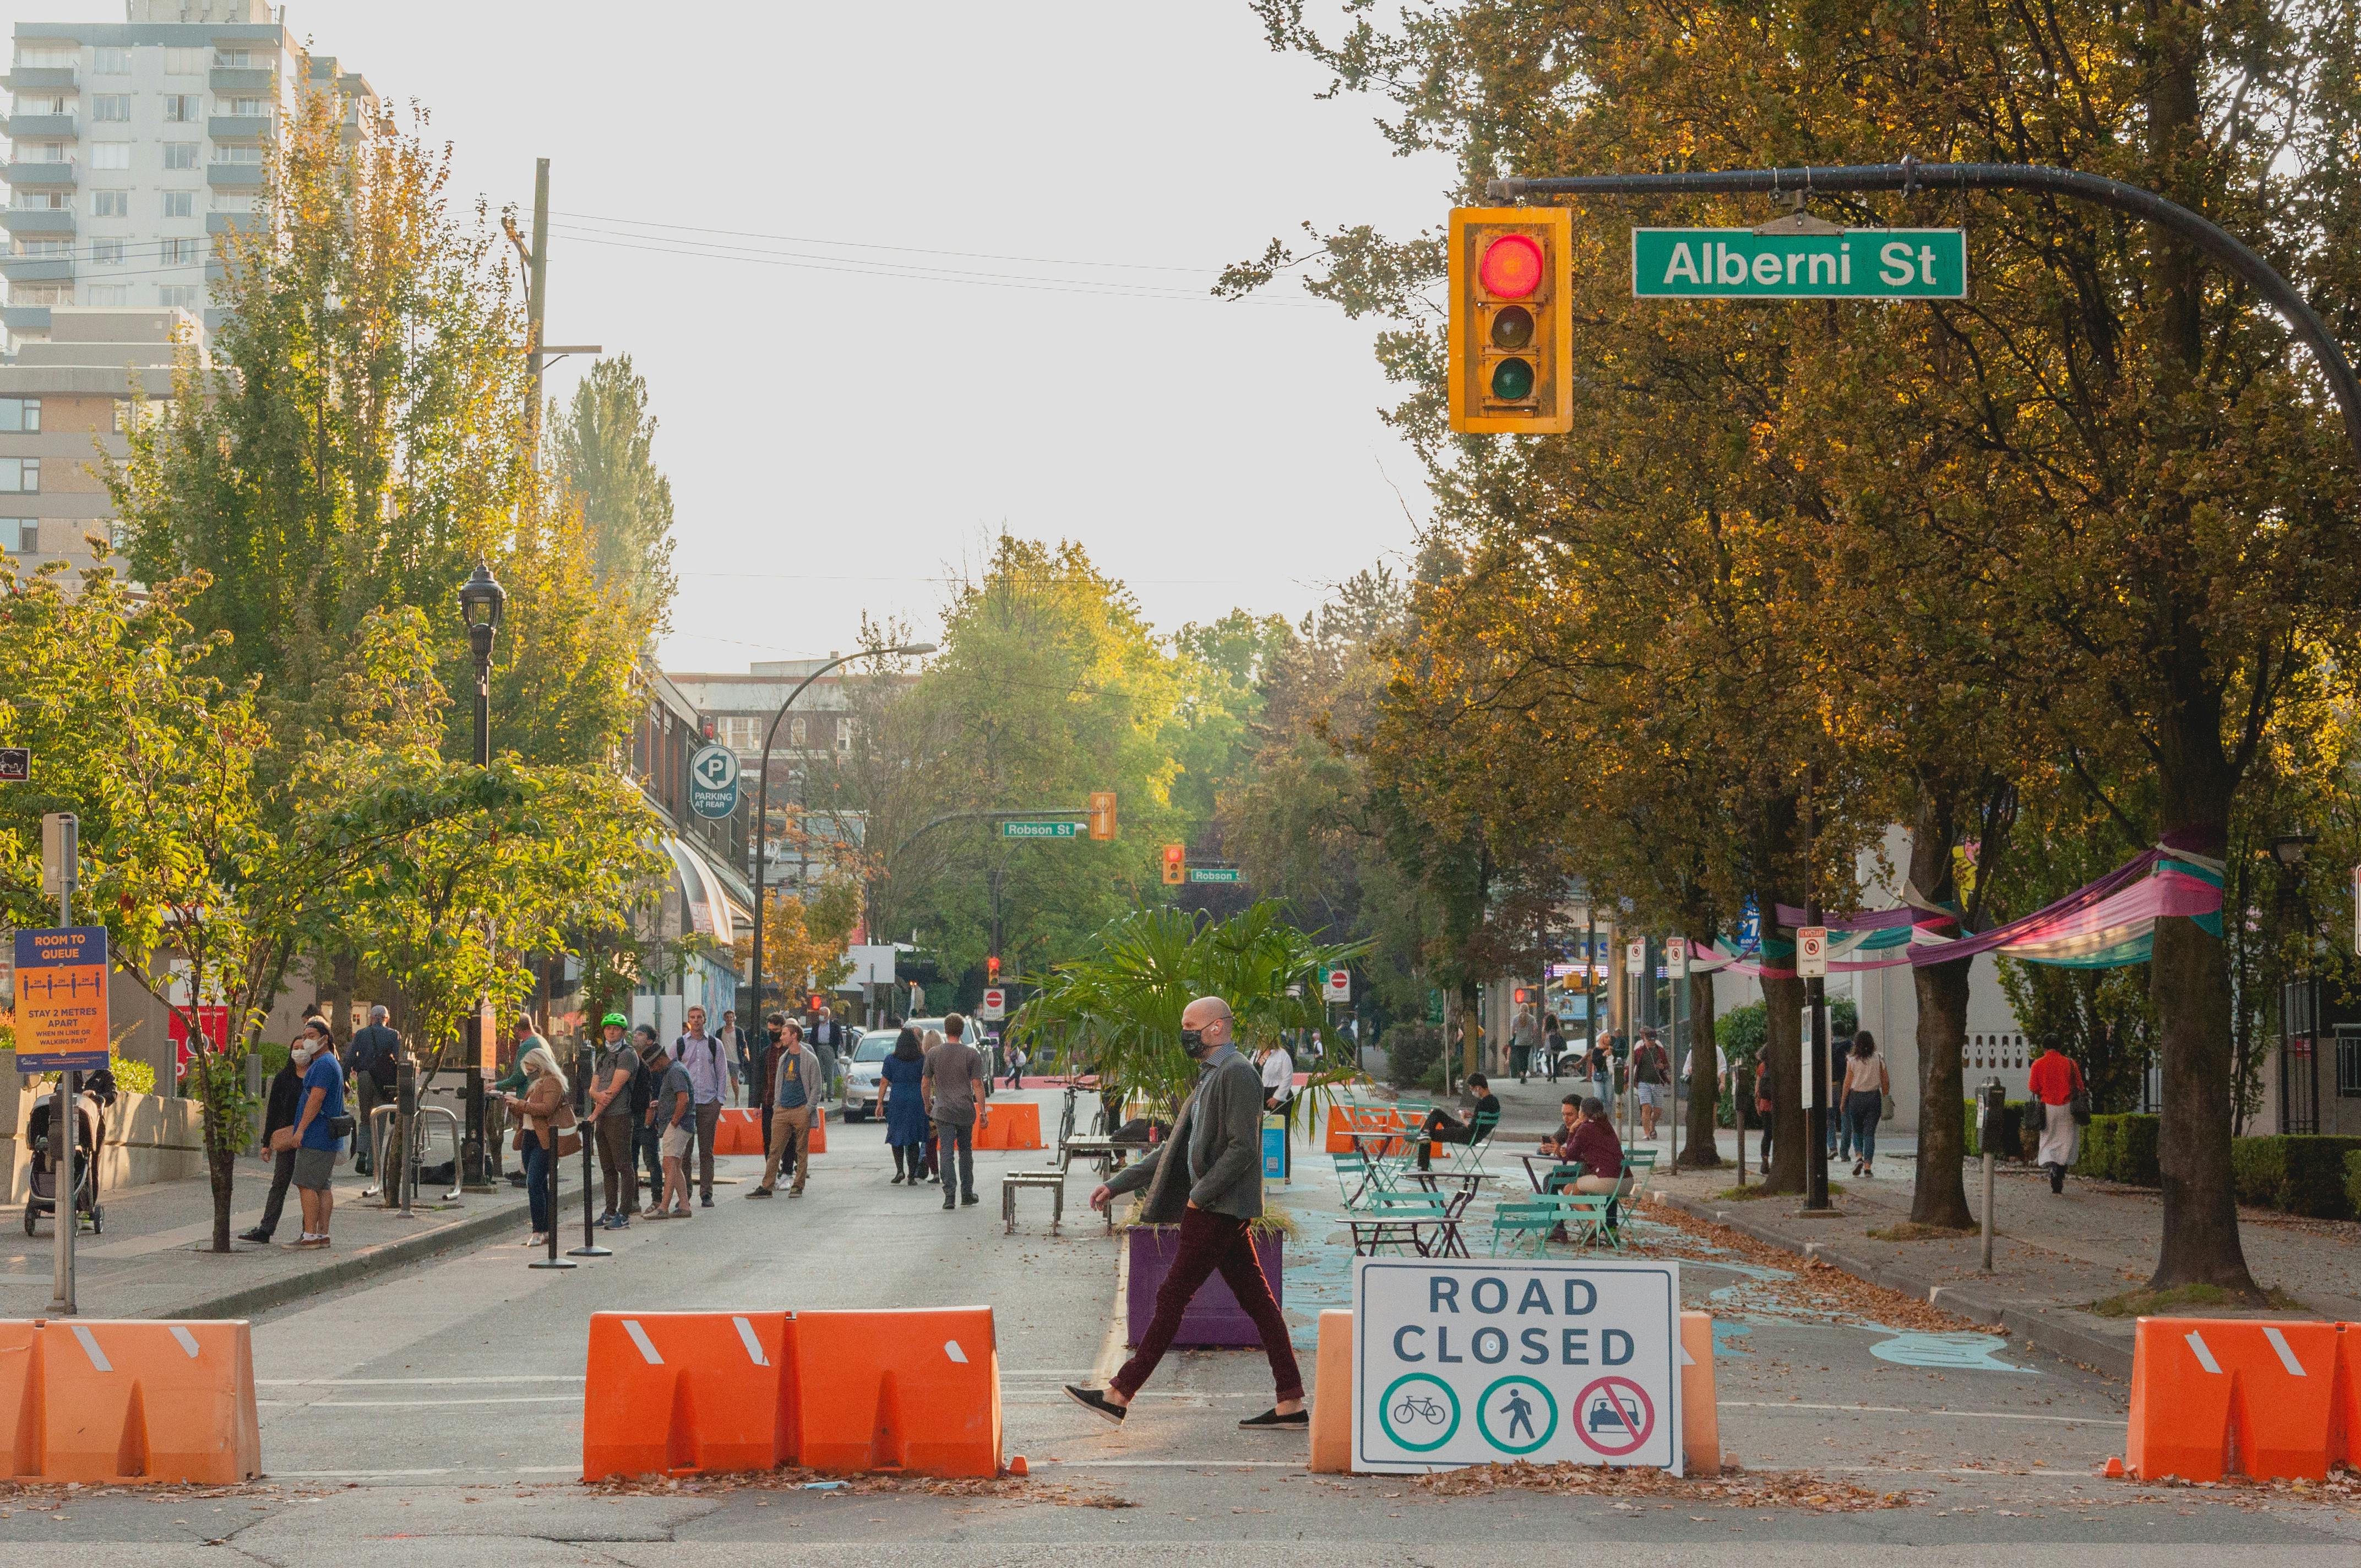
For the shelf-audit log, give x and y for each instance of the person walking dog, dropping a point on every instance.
(1214, 1190)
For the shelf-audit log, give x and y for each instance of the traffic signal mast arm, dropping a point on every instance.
(1080, 811)
(1911, 175)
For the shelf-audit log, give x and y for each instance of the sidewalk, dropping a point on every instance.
(154, 1259)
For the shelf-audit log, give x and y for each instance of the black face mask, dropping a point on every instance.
(1194, 1042)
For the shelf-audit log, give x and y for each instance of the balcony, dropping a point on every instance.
(233, 176)
(45, 174)
(228, 223)
(37, 268)
(243, 81)
(239, 127)
(56, 127)
(40, 79)
(37, 220)
(26, 318)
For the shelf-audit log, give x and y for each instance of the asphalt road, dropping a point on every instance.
(433, 1416)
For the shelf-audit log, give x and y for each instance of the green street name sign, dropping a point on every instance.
(1858, 264)
(1215, 873)
(1040, 829)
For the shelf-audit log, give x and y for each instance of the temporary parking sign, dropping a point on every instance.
(1484, 1361)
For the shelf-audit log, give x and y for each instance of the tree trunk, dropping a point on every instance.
(1705, 1073)
(1783, 1001)
(1940, 1197)
(221, 1158)
(2200, 1242)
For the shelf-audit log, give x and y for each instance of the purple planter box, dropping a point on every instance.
(1214, 1320)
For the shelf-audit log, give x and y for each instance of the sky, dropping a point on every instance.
(799, 220)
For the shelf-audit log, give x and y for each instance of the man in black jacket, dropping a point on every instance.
(286, 1091)
(371, 1060)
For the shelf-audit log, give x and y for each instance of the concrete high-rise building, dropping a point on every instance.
(133, 144)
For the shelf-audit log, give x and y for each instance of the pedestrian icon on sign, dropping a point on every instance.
(1520, 1412)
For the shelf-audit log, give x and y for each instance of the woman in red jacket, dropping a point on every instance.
(2056, 1080)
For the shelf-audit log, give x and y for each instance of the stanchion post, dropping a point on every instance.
(1990, 1102)
(586, 1062)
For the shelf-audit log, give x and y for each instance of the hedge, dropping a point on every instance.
(2296, 1175)
(2120, 1148)
(2013, 1143)
(1412, 1053)
(2353, 1181)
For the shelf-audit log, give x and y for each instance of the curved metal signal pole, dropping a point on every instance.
(1911, 175)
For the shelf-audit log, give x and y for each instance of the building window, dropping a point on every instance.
(233, 201)
(34, 197)
(109, 293)
(110, 155)
(237, 155)
(20, 475)
(795, 731)
(234, 59)
(40, 294)
(254, 108)
(111, 106)
(182, 296)
(182, 108)
(185, 61)
(45, 56)
(20, 414)
(844, 735)
(19, 535)
(110, 62)
(180, 252)
(140, 414)
(45, 247)
(110, 204)
(180, 155)
(107, 252)
(180, 203)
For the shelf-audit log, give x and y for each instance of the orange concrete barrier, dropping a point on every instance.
(1332, 1394)
(1700, 1416)
(117, 1402)
(914, 1390)
(1012, 1127)
(739, 1131)
(674, 1393)
(2239, 1396)
(820, 1129)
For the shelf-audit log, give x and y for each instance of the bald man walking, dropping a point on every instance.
(1213, 1188)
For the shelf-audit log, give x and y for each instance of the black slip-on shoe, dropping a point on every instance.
(1271, 1420)
(1096, 1403)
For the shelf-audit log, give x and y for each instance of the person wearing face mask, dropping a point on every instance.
(286, 1092)
(1213, 1188)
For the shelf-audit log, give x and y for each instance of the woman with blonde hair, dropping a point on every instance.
(536, 1112)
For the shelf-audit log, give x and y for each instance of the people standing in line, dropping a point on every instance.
(1766, 1103)
(1443, 1127)
(537, 1111)
(373, 1057)
(647, 1132)
(903, 1102)
(797, 1087)
(712, 1071)
(762, 1084)
(1651, 1071)
(741, 1068)
(1866, 1084)
(611, 1122)
(2058, 1085)
(1552, 1042)
(1524, 1033)
(826, 1041)
(956, 1089)
(316, 1146)
(673, 1112)
(1214, 1189)
(279, 1112)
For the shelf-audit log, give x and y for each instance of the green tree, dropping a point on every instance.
(604, 444)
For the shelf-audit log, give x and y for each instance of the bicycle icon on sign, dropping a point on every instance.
(1415, 1407)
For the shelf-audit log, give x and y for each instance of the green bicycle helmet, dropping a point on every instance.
(617, 1019)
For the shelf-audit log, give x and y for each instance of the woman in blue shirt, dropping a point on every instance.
(906, 1109)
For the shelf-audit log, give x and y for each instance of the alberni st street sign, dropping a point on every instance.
(1040, 829)
(1858, 264)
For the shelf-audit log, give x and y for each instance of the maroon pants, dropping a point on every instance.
(1210, 1241)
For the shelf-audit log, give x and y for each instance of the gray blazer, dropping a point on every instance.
(1219, 1131)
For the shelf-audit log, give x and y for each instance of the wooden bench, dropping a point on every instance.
(1055, 1180)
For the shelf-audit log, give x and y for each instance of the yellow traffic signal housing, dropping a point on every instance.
(1511, 321)
(1176, 863)
(1102, 814)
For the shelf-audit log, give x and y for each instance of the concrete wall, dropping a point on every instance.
(149, 1138)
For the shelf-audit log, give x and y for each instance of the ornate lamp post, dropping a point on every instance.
(481, 600)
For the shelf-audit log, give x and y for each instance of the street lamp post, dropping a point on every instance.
(481, 600)
(763, 821)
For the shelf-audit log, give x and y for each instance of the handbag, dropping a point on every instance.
(568, 1141)
(341, 1126)
(2036, 1115)
(2079, 1107)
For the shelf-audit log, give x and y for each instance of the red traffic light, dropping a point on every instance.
(1513, 266)
(992, 969)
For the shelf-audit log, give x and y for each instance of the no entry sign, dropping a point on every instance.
(1479, 1361)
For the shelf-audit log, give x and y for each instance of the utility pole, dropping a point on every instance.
(536, 299)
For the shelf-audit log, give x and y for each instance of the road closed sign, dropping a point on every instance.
(1484, 1361)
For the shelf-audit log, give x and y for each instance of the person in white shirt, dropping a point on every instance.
(1278, 1098)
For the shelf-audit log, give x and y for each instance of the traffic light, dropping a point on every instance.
(1102, 814)
(1176, 863)
(992, 969)
(1512, 321)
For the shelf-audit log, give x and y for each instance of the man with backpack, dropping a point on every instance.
(613, 1087)
(373, 1056)
(712, 1073)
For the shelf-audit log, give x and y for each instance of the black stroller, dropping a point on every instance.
(97, 1095)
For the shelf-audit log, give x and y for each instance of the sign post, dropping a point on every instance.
(61, 1028)
(1487, 1362)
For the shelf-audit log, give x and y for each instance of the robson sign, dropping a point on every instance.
(1888, 264)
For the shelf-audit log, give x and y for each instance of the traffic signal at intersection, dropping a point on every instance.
(992, 969)
(1176, 863)
(1512, 327)
(1102, 814)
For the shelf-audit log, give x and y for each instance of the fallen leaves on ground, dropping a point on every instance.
(796, 1478)
(1813, 1289)
(1732, 1489)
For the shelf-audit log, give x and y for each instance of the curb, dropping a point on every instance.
(2037, 1327)
(343, 1270)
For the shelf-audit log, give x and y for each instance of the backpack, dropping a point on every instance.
(643, 1089)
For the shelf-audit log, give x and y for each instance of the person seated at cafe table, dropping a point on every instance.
(1589, 1154)
(1443, 1127)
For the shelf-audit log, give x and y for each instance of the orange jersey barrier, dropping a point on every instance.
(1332, 1394)
(674, 1393)
(1012, 1127)
(739, 1131)
(915, 1390)
(2217, 1396)
(117, 1402)
(1700, 1416)
(820, 1129)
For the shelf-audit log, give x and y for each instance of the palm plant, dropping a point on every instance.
(1118, 1006)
